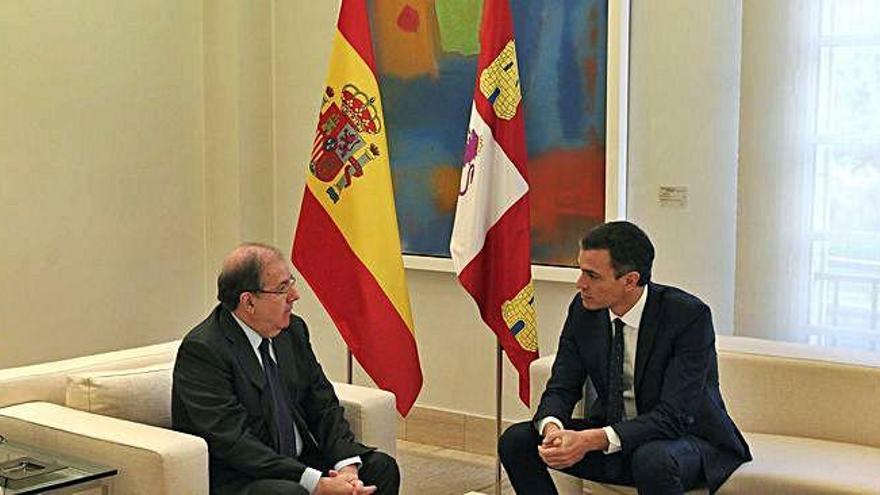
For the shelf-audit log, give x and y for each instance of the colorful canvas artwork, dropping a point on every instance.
(426, 53)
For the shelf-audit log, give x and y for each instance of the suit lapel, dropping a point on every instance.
(243, 351)
(647, 333)
(247, 358)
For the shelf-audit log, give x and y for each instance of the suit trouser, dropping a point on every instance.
(378, 469)
(658, 467)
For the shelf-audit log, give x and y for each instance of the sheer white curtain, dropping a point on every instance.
(808, 229)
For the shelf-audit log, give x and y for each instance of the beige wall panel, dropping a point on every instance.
(239, 170)
(683, 131)
(101, 196)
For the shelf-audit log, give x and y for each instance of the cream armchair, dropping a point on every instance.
(115, 409)
(808, 414)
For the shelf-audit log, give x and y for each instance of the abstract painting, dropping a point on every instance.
(426, 53)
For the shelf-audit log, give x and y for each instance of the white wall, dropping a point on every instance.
(683, 131)
(101, 190)
(239, 171)
(136, 146)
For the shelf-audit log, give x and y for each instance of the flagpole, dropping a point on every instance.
(348, 367)
(498, 384)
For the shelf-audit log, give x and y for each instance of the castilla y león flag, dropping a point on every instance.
(346, 245)
(490, 243)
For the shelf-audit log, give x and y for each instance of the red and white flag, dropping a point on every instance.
(491, 244)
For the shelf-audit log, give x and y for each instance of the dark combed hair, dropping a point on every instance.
(630, 248)
(244, 276)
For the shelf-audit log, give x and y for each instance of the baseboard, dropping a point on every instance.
(450, 429)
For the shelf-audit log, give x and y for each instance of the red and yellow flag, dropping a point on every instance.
(347, 245)
(491, 236)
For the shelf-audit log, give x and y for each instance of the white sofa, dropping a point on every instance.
(114, 409)
(811, 417)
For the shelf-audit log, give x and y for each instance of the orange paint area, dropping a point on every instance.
(444, 182)
(411, 24)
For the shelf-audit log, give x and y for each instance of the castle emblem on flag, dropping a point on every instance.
(499, 82)
(342, 145)
(491, 236)
(519, 315)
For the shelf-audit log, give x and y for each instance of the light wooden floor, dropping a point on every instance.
(432, 470)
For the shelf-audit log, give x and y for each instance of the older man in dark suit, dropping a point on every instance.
(246, 380)
(647, 352)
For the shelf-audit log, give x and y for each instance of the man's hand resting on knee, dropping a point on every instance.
(563, 448)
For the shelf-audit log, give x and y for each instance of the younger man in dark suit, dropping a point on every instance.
(657, 421)
(246, 380)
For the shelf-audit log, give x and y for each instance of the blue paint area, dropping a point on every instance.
(427, 117)
(427, 121)
(553, 47)
(424, 229)
(570, 83)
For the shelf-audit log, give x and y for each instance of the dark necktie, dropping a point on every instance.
(284, 441)
(615, 375)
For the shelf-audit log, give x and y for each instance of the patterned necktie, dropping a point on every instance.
(615, 375)
(284, 441)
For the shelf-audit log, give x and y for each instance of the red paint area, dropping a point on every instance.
(591, 74)
(408, 20)
(566, 185)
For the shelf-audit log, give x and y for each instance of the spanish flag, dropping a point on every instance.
(491, 244)
(346, 244)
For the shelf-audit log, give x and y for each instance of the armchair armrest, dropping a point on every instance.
(372, 414)
(150, 460)
(539, 375)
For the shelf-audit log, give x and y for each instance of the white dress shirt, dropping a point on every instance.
(311, 476)
(631, 320)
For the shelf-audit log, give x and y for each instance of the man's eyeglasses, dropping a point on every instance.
(283, 287)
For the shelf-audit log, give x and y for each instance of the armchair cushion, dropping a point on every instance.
(805, 466)
(142, 395)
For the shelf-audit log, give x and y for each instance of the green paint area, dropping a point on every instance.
(459, 22)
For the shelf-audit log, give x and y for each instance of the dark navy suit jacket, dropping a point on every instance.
(676, 379)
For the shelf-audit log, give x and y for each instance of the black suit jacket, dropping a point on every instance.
(676, 379)
(220, 393)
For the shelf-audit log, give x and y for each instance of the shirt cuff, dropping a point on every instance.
(309, 479)
(544, 422)
(348, 462)
(613, 440)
